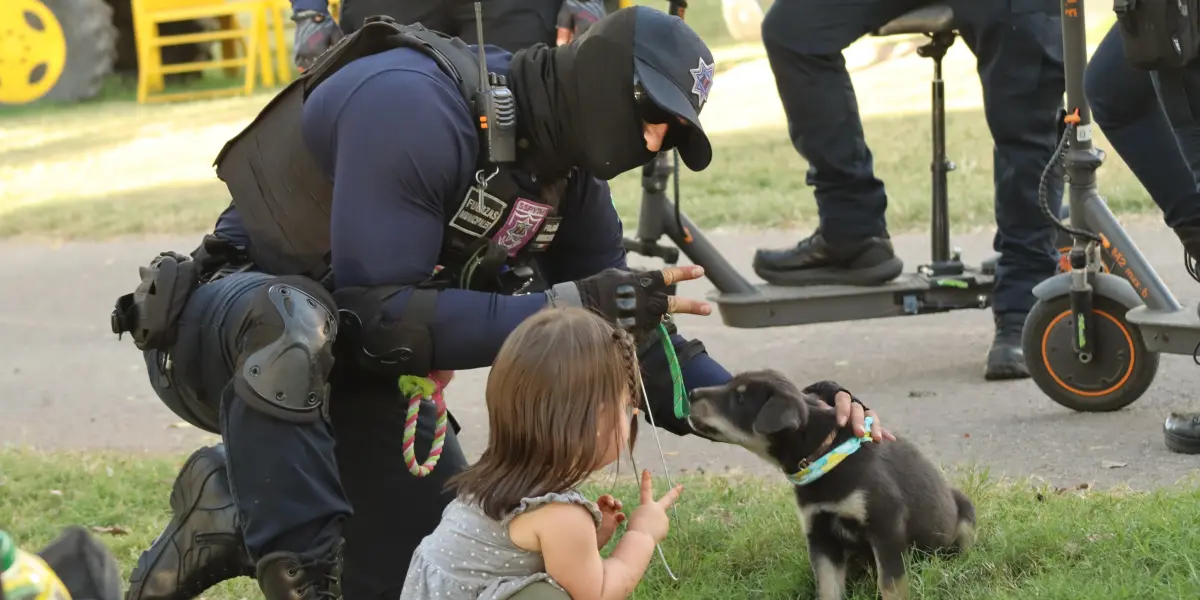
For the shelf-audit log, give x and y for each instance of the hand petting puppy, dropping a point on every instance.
(849, 409)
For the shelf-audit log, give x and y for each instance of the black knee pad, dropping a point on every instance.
(286, 350)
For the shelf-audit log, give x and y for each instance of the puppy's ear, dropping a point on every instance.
(782, 412)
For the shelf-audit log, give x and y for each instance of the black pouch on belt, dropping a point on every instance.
(1159, 34)
(215, 255)
(150, 313)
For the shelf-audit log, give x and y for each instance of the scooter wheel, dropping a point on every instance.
(1119, 372)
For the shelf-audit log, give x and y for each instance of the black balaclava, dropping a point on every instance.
(576, 103)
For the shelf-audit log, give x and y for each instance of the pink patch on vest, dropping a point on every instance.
(522, 224)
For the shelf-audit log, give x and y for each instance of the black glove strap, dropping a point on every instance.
(315, 16)
(827, 391)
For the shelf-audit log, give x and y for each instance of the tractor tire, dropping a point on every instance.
(58, 50)
(743, 19)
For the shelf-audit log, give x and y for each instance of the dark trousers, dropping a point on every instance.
(1018, 46)
(285, 477)
(293, 486)
(509, 24)
(1152, 119)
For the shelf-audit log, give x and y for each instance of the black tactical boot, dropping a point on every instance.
(1005, 359)
(1181, 432)
(284, 576)
(202, 544)
(815, 261)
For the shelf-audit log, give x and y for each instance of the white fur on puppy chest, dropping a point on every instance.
(853, 508)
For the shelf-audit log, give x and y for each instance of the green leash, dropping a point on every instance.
(681, 406)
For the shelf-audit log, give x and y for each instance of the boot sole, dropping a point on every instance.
(182, 507)
(1181, 444)
(1005, 374)
(875, 275)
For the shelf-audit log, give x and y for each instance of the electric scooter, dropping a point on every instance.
(1091, 341)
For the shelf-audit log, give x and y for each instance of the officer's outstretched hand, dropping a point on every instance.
(316, 32)
(575, 16)
(651, 302)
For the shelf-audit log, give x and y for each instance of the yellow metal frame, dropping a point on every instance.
(278, 13)
(148, 14)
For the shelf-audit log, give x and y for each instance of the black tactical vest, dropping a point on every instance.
(285, 200)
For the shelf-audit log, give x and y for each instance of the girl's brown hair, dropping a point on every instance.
(558, 376)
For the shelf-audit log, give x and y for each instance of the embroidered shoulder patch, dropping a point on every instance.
(523, 222)
(478, 213)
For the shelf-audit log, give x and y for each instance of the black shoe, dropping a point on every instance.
(285, 576)
(1005, 359)
(202, 545)
(1181, 432)
(814, 261)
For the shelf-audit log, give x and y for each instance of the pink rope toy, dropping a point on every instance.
(418, 389)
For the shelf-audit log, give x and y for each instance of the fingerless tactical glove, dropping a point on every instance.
(599, 294)
(827, 391)
(316, 32)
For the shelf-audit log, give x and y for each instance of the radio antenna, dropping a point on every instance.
(483, 73)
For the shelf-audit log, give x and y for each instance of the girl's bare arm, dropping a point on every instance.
(566, 537)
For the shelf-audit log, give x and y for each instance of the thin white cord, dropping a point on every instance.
(662, 456)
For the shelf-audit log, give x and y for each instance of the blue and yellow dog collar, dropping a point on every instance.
(813, 471)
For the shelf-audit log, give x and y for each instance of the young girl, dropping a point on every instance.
(561, 398)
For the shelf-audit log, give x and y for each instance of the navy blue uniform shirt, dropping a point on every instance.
(401, 140)
(398, 140)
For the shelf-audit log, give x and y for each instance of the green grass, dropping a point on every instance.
(704, 16)
(735, 538)
(756, 179)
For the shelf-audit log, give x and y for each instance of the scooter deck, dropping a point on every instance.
(909, 294)
(1168, 332)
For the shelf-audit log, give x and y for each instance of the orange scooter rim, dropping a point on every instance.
(1078, 392)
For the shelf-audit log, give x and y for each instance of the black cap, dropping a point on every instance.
(675, 67)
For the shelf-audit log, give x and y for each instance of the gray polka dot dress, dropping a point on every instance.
(470, 556)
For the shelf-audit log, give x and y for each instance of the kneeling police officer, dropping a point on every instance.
(401, 211)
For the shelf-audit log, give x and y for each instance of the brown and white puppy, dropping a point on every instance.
(875, 504)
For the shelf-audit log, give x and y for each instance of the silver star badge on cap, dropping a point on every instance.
(702, 81)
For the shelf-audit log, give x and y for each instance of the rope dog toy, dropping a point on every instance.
(417, 389)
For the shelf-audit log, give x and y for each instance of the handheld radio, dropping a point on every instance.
(495, 107)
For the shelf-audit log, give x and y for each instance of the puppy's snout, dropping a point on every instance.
(700, 394)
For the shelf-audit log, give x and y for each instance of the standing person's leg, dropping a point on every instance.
(1126, 107)
(393, 509)
(433, 14)
(510, 24)
(1019, 49)
(804, 40)
(268, 501)
(1179, 91)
